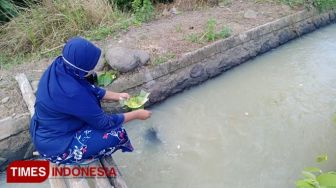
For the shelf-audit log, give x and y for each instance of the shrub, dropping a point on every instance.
(143, 10)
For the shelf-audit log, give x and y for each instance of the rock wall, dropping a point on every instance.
(15, 140)
(198, 66)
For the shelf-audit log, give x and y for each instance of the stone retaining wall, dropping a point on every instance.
(195, 67)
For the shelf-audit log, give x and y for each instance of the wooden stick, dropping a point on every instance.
(27, 92)
(118, 181)
(100, 182)
(29, 98)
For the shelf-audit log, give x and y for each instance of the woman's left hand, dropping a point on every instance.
(123, 96)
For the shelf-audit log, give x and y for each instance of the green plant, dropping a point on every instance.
(210, 31)
(209, 34)
(163, 58)
(106, 78)
(225, 32)
(324, 5)
(315, 178)
(193, 37)
(7, 10)
(143, 10)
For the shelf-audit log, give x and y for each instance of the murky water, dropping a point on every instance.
(256, 126)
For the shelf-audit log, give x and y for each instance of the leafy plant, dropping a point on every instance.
(136, 102)
(106, 78)
(225, 32)
(143, 10)
(315, 178)
(209, 33)
(322, 158)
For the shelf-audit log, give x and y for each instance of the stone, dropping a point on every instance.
(15, 143)
(5, 100)
(125, 60)
(142, 55)
(250, 14)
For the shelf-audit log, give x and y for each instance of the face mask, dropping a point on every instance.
(88, 73)
(92, 78)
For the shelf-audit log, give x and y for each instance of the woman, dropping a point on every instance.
(69, 126)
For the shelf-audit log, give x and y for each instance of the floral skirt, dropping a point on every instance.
(89, 145)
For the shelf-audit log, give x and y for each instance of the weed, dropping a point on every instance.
(163, 58)
(209, 34)
(225, 32)
(178, 28)
(193, 37)
(143, 10)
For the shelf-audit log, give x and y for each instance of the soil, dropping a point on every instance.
(163, 37)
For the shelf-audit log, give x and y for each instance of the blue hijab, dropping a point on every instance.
(67, 102)
(65, 77)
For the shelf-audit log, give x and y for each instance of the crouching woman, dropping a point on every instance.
(69, 125)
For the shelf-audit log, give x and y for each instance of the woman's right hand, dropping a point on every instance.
(143, 114)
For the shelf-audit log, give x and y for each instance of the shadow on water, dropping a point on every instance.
(151, 137)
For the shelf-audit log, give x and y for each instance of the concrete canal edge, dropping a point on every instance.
(200, 65)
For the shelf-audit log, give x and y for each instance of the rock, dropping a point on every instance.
(250, 14)
(5, 100)
(15, 143)
(125, 60)
(143, 56)
(34, 85)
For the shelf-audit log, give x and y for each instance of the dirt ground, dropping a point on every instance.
(166, 35)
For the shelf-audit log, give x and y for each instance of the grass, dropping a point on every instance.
(209, 34)
(322, 5)
(163, 58)
(42, 28)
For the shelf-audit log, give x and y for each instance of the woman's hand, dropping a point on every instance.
(113, 96)
(123, 96)
(143, 114)
(137, 114)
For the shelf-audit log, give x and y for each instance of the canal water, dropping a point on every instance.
(255, 126)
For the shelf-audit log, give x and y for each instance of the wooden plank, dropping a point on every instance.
(100, 182)
(118, 181)
(29, 98)
(76, 182)
(27, 92)
(56, 182)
